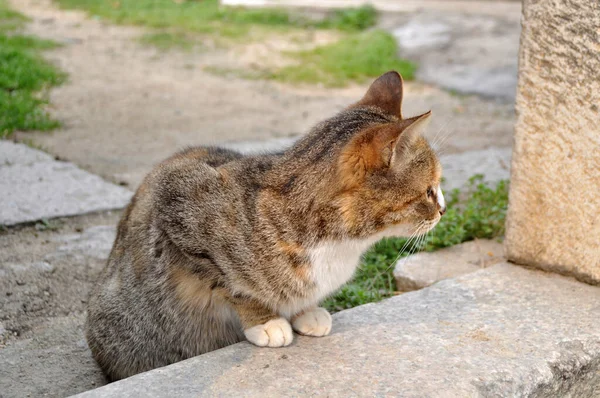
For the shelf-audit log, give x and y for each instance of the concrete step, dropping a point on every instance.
(424, 269)
(501, 331)
(35, 186)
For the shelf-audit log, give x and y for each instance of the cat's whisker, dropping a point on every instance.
(440, 146)
(412, 238)
(437, 138)
(422, 226)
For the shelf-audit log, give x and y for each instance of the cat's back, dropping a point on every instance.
(164, 195)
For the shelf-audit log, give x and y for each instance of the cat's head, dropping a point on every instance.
(388, 176)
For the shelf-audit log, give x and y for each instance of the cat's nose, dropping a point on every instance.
(442, 210)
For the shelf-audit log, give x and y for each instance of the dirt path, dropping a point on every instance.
(127, 106)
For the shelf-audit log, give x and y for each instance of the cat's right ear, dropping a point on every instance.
(386, 94)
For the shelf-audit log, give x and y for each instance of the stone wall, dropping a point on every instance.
(554, 214)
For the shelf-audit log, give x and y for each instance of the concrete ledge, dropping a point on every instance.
(424, 269)
(502, 331)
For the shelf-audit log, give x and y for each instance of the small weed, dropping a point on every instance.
(24, 77)
(478, 212)
(357, 57)
(48, 225)
(167, 40)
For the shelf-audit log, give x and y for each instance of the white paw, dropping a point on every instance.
(275, 333)
(315, 322)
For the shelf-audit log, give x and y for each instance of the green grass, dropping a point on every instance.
(24, 77)
(355, 58)
(206, 16)
(478, 212)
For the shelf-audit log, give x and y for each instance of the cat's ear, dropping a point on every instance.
(412, 128)
(386, 94)
(378, 147)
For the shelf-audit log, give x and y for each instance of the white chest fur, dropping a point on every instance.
(333, 263)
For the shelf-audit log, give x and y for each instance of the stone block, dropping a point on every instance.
(502, 331)
(423, 269)
(34, 186)
(553, 219)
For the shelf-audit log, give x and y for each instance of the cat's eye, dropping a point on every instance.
(430, 193)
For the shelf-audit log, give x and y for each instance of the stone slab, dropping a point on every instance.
(493, 163)
(502, 331)
(470, 54)
(35, 187)
(424, 269)
(552, 220)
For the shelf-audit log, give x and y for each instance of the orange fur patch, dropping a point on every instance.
(290, 248)
(370, 150)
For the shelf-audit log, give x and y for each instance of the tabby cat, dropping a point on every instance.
(217, 248)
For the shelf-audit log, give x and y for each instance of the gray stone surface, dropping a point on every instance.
(502, 331)
(423, 269)
(493, 163)
(35, 186)
(473, 54)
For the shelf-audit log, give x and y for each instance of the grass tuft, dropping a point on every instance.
(351, 19)
(164, 40)
(356, 58)
(24, 76)
(479, 215)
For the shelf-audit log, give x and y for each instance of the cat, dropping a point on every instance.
(216, 248)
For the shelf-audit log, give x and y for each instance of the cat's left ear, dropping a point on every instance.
(386, 94)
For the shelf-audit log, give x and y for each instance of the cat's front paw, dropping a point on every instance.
(274, 333)
(314, 322)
